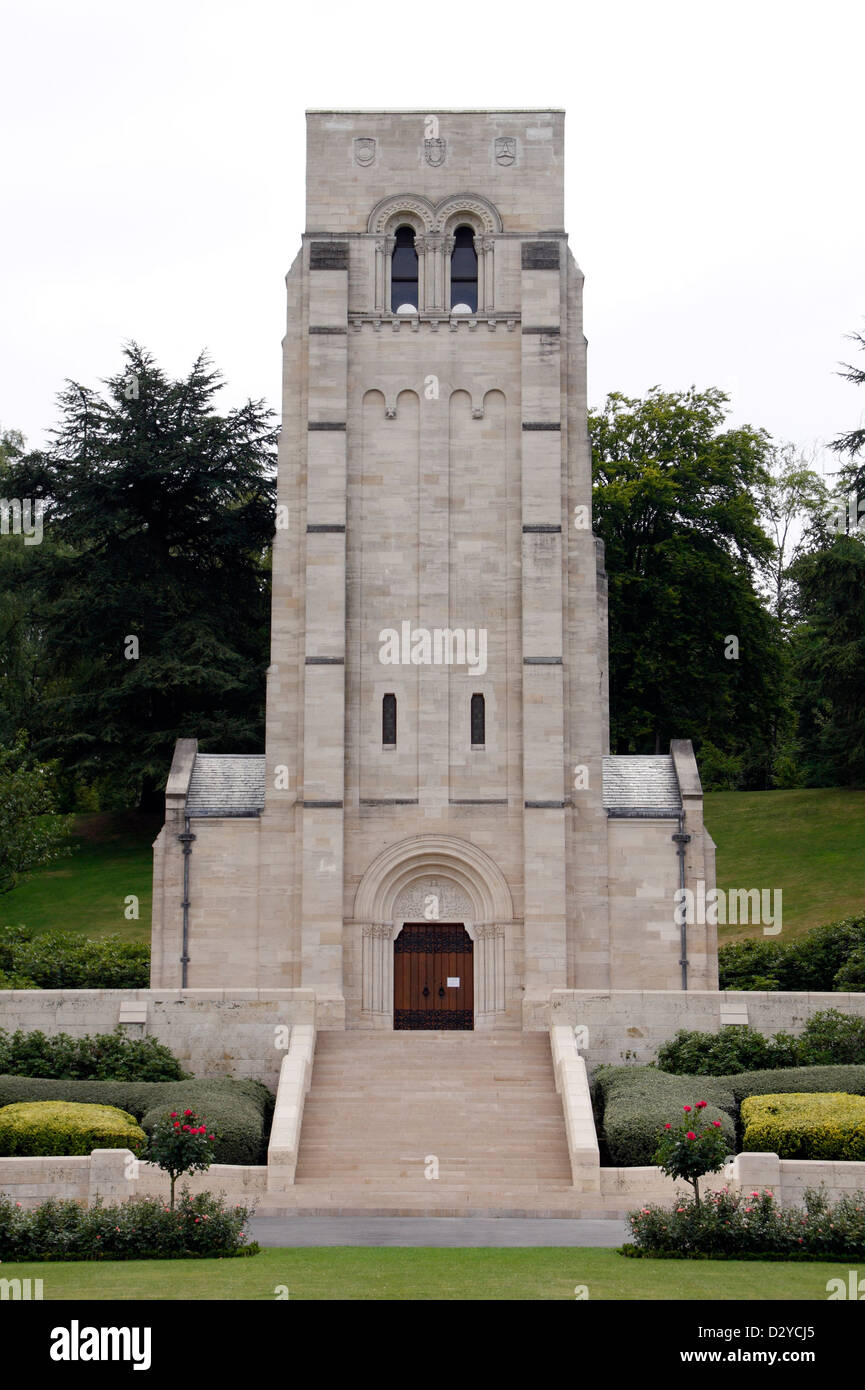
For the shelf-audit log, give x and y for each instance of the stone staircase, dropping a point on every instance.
(383, 1106)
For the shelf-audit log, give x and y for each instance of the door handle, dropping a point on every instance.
(441, 991)
(425, 991)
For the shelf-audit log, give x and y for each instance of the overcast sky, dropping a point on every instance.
(153, 181)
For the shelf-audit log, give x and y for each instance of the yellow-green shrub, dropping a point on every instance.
(798, 1124)
(66, 1127)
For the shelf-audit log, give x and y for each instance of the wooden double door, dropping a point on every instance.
(433, 976)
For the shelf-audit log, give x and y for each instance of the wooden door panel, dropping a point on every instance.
(426, 955)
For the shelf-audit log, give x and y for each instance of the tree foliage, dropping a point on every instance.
(675, 502)
(851, 443)
(153, 591)
(828, 656)
(31, 833)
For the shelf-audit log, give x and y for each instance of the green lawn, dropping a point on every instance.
(808, 843)
(112, 857)
(418, 1274)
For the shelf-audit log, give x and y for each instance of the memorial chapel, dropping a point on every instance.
(435, 835)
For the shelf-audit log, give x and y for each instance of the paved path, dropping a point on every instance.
(435, 1230)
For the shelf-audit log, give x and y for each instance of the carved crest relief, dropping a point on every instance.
(433, 900)
(506, 150)
(434, 152)
(364, 150)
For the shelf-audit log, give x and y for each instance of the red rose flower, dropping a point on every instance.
(668, 1126)
(690, 1134)
(177, 1124)
(701, 1104)
(173, 1115)
(187, 1112)
(687, 1109)
(717, 1124)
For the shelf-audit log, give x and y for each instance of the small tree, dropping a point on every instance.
(683, 1153)
(180, 1144)
(31, 833)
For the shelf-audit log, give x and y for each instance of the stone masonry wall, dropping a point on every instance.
(630, 1025)
(213, 1032)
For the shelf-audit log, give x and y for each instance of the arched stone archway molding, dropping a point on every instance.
(394, 889)
(434, 225)
(420, 854)
(413, 208)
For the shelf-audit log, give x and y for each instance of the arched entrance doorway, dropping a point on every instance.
(432, 881)
(433, 977)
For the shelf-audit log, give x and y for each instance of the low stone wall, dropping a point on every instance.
(294, 1079)
(115, 1175)
(785, 1178)
(33, 1180)
(213, 1032)
(572, 1083)
(619, 1026)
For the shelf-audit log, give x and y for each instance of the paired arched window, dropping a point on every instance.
(464, 272)
(388, 720)
(404, 277)
(403, 273)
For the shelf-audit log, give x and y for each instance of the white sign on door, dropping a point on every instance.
(453, 981)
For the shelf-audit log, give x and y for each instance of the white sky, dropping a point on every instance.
(152, 181)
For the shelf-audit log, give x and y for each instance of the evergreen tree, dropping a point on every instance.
(154, 588)
(829, 662)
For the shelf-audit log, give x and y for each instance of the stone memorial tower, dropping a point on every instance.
(436, 835)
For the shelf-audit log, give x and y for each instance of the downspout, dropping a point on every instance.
(681, 839)
(186, 840)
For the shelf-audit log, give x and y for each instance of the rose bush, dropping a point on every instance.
(180, 1143)
(685, 1153)
(729, 1225)
(141, 1229)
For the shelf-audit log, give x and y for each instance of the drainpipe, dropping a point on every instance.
(186, 840)
(681, 839)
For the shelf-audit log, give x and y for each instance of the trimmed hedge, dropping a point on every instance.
(64, 1127)
(763, 1083)
(141, 1229)
(829, 1125)
(238, 1112)
(637, 1101)
(633, 1103)
(98, 1057)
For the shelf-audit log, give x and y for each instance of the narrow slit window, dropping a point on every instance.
(479, 720)
(403, 273)
(464, 272)
(388, 721)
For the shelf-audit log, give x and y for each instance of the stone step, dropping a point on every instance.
(332, 1201)
(484, 1105)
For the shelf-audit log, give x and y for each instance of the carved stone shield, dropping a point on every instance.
(364, 150)
(434, 152)
(506, 150)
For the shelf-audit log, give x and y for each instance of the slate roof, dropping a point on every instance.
(226, 784)
(232, 784)
(641, 786)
